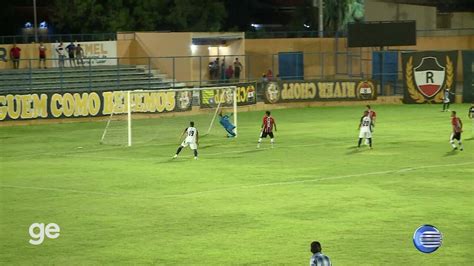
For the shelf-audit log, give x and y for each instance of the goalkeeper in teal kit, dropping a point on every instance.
(224, 120)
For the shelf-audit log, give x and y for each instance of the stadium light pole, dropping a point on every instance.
(35, 26)
(319, 4)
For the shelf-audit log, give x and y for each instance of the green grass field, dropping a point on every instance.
(238, 204)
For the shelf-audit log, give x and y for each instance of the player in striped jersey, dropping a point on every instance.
(457, 130)
(365, 129)
(267, 129)
(192, 139)
(373, 117)
(318, 258)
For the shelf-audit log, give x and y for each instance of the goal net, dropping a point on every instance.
(160, 116)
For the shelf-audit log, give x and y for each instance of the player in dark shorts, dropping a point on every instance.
(71, 50)
(457, 130)
(268, 124)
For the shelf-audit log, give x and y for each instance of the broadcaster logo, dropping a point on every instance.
(38, 231)
(427, 238)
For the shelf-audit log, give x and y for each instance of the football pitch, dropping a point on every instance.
(238, 204)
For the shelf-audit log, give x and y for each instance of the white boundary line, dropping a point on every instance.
(198, 193)
(84, 152)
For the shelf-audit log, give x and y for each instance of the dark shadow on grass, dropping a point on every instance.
(353, 150)
(254, 151)
(395, 142)
(222, 157)
(207, 146)
(450, 153)
(469, 139)
(177, 160)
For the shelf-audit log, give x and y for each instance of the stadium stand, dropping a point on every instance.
(123, 77)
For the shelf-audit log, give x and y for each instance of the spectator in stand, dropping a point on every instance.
(42, 55)
(211, 70)
(216, 69)
(264, 78)
(229, 73)
(237, 69)
(79, 55)
(71, 50)
(61, 54)
(15, 56)
(269, 75)
(223, 70)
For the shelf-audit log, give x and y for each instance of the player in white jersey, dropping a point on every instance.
(365, 126)
(192, 139)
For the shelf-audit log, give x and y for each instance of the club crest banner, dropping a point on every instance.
(427, 74)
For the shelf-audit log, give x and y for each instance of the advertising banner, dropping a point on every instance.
(318, 90)
(89, 104)
(246, 95)
(427, 74)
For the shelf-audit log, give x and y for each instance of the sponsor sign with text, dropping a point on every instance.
(246, 95)
(89, 104)
(317, 90)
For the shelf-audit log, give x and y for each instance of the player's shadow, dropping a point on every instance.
(207, 146)
(177, 160)
(469, 139)
(450, 153)
(353, 150)
(254, 150)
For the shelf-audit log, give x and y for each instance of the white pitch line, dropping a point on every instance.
(84, 153)
(198, 193)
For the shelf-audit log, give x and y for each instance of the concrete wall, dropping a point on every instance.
(189, 64)
(156, 44)
(321, 59)
(259, 52)
(100, 53)
(28, 51)
(203, 54)
(262, 54)
(462, 20)
(425, 16)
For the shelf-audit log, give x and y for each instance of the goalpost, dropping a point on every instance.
(121, 120)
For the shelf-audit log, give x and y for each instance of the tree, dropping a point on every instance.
(334, 12)
(337, 13)
(197, 15)
(78, 16)
(304, 14)
(98, 16)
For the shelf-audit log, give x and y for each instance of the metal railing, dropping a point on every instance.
(51, 38)
(128, 73)
(332, 34)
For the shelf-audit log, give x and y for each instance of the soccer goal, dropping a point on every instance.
(133, 115)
